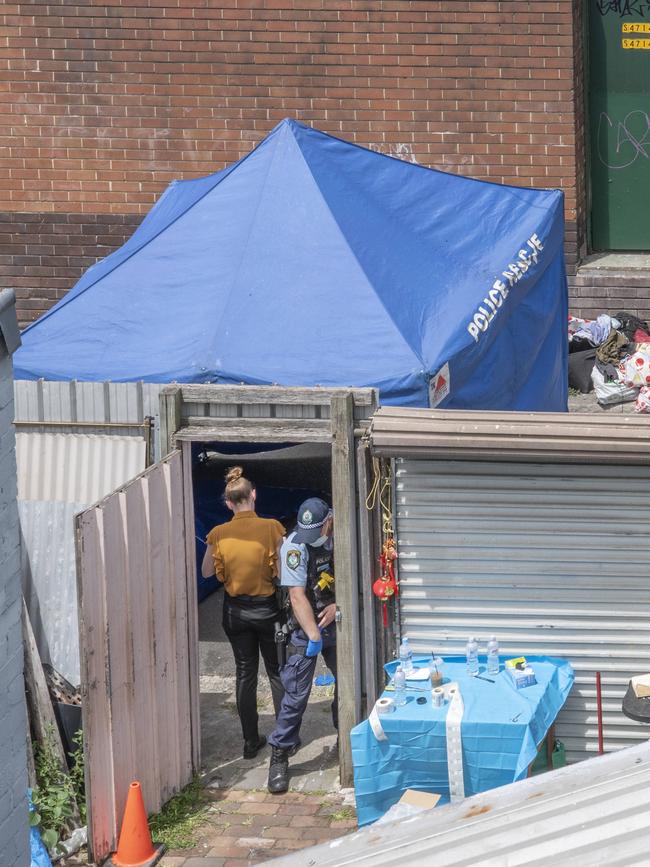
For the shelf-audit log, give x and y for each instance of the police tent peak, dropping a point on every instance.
(316, 261)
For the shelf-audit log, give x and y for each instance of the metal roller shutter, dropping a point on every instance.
(550, 558)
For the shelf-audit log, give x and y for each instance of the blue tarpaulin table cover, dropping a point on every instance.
(501, 731)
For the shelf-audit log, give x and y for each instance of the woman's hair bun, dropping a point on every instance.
(233, 474)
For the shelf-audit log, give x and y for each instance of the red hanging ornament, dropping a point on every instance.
(385, 587)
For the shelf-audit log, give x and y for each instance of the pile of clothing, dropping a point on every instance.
(611, 354)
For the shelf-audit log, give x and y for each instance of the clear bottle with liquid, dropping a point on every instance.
(406, 656)
(471, 651)
(493, 655)
(399, 682)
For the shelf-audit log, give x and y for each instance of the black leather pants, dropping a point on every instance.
(249, 624)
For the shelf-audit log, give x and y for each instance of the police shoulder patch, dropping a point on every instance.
(293, 558)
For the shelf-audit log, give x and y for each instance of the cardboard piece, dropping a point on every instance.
(423, 800)
(641, 685)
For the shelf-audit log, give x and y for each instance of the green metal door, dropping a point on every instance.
(619, 116)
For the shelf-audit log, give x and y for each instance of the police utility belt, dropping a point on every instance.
(320, 593)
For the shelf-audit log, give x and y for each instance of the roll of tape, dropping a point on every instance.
(385, 705)
(382, 707)
(438, 696)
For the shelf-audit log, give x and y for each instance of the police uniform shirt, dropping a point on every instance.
(293, 563)
(294, 559)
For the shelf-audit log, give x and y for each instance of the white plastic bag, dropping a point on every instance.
(643, 400)
(608, 393)
(634, 370)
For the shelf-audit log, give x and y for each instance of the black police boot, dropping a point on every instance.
(252, 748)
(294, 749)
(278, 771)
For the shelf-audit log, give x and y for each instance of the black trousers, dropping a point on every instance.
(249, 623)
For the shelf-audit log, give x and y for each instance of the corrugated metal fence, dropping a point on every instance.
(89, 407)
(75, 443)
(58, 476)
(550, 558)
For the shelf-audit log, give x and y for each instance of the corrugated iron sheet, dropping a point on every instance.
(49, 570)
(101, 402)
(58, 476)
(508, 436)
(41, 400)
(594, 813)
(552, 559)
(75, 468)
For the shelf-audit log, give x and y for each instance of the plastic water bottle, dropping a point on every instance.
(406, 656)
(400, 686)
(493, 655)
(472, 656)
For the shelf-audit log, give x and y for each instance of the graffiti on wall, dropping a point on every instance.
(401, 151)
(624, 8)
(621, 143)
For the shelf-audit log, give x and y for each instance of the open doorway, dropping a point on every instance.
(284, 475)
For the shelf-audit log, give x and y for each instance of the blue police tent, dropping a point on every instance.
(315, 261)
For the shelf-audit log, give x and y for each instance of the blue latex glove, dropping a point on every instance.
(314, 647)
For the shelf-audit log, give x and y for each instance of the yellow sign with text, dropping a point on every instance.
(636, 44)
(635, 27)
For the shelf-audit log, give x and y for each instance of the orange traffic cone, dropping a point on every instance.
(135, 848)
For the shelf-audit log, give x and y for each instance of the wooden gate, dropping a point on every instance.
(139, 646)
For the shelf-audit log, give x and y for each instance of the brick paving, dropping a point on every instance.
(245, 827)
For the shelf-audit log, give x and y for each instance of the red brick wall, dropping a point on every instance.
(105, 103)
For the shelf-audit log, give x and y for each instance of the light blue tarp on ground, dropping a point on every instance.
(501, 729)
(315, 261)
(39, 856)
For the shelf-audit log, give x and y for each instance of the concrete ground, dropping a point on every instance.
(314, 768)
(588, 403)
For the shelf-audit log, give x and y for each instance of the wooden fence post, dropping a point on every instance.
(171, 403)
(347, 583)
(40, 709)
(367, 570)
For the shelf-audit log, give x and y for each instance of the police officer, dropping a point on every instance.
(307, 570)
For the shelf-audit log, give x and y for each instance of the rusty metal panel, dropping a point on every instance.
(134, 639)
(594, 813)
(510, 436)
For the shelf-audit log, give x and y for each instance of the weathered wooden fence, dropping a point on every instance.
(138, 643)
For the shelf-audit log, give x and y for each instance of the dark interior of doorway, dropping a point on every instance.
(284, 475)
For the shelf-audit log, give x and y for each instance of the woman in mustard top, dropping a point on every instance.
(244, 556)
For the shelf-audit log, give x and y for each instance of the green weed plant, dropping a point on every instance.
(53, 796)
(179, 820)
